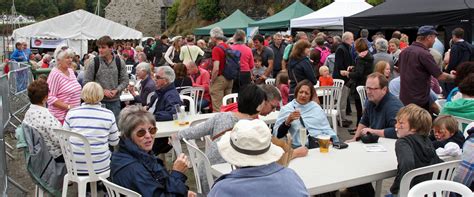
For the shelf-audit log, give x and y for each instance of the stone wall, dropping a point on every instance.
(142, 15)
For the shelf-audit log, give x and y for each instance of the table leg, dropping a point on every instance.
(378, 188)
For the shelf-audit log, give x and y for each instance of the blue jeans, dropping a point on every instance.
(113, 106)
(203, 104)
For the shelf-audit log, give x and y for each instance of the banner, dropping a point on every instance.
(46, 43)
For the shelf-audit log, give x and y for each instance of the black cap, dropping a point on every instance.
(427, 30)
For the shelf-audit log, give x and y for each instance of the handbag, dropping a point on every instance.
(312, 141)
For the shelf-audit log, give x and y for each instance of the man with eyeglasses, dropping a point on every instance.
(416, 66)
(271, 103)
(380, 109)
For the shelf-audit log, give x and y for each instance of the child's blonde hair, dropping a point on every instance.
(322, 69)
(448, 121)
(418, 118)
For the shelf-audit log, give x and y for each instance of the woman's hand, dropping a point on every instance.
(181, 163)
(344, 73)
(293, 116)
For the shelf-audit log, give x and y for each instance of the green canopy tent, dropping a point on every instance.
(237, 20)
(281, 20)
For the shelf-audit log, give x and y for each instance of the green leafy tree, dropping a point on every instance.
(172, 13)
(209, 9)
(375, 2)
(33, 8)
(79, 4)
(322, 3)
(52, 11)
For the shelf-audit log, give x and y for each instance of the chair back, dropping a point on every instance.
(328, 94)
(148, 98)
(129, 68)
(462, 122)
(115, 190)
(270, 81)
(362, 95)
(199, 161)
(439, 188)
(338, 83)
(192, 107)
(232, 96)
(67, 149)
(440, 171)
(196, 93)
(440, 103)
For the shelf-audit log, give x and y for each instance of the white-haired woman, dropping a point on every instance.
(64, 89)
(95, 123)
(147, 84)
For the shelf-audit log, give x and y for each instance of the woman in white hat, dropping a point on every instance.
(248, 147)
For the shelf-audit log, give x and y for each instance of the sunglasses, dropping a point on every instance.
(142, 132)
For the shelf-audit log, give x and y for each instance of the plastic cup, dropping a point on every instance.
(324, 141)
(303, 136)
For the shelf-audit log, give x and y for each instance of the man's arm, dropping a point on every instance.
(123, 81)
(358, 132)
(269, 70)
(89, 72)
(215, 70)
(446, 77)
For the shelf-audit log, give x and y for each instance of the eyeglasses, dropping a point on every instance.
(142, 132)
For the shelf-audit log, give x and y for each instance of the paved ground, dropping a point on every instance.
(17, 170)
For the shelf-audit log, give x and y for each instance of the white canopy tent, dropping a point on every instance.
(331, 16)
(76, 28)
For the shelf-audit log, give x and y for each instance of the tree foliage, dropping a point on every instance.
(172, 13)
(43, 9)
(375, 2)
(322, 3)
(208, 9)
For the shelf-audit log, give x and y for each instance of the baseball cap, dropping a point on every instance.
(427, 30)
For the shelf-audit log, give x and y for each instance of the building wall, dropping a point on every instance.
(142, 15)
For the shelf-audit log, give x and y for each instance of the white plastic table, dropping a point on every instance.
(326, 172)
(168, 128)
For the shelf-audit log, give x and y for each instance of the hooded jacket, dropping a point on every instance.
(413, 151)
(463, 108)
(299, 70)
(142, 172)
(364, 66)
(460, 52)
(457, 138)
(167, 97)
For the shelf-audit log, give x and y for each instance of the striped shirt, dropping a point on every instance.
(63, 88)
(98, 125)
(465, 172)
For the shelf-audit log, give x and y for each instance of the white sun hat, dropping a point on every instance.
(249, 144)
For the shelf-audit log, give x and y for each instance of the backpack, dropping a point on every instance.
(232, 63)
(324, 53)
(97, 65)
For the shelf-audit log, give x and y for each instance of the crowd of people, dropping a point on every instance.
(402, 81)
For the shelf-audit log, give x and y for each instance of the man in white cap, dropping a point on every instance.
(248, 147)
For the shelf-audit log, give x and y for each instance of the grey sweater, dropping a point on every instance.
(212, 127)
(107, 76)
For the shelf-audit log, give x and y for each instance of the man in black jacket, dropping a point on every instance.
(461, 51)
(344, 62)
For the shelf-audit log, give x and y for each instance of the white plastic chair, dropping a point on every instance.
(441, 171)
(70, 160)
(462, 122)
(192, 107)
(197, 93)
(362, 95)
(199, 161)
(115, 190)
(232, 96)
(438, 187)
(328, 103)
(339, 83)
(270, 81)
(129, 68)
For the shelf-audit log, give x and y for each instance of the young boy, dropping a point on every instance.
(445, 129)
(325, 79)
(413, 148)
(258, 70)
